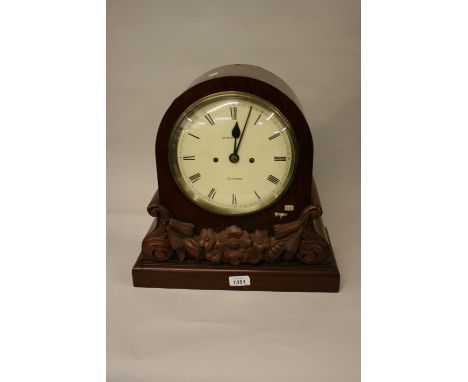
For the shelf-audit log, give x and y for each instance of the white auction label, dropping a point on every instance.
(239, 280)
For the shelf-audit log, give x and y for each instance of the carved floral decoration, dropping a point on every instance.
(295, 240)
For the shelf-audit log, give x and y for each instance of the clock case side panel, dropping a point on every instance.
(298, 194)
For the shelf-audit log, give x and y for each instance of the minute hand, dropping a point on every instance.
(243, 131)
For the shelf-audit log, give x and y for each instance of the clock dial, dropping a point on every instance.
(232, 153)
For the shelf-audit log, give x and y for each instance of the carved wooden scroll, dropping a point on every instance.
(297, 240)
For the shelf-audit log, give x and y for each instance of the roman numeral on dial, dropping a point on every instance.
(274, 136)
(234, 200)
(212, 193)
(209, 119)
(280, 159)
(195, 177)
(273, 179)
(258, 196)
(189, 157)
(234, 113)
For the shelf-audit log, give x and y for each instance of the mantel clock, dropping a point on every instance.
(237, 206)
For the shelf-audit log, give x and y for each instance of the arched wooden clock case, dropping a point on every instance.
(283, 247)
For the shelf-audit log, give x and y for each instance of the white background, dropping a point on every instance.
(52, 200)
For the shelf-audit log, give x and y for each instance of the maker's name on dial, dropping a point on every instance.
(233, 178)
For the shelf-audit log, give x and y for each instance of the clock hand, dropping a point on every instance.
(243, 131)
(235, 134)
(234, 158)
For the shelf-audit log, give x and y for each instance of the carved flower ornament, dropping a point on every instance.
(234, 245)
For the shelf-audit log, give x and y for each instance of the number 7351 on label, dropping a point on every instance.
(239, 280)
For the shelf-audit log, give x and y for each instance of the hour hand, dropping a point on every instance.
(236, 134)
(234, 158)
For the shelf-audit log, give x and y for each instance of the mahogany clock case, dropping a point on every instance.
(169, 204)
(298, 194)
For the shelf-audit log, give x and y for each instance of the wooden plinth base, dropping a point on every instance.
(291, 276)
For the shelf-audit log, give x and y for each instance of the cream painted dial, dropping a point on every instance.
(232, 153)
